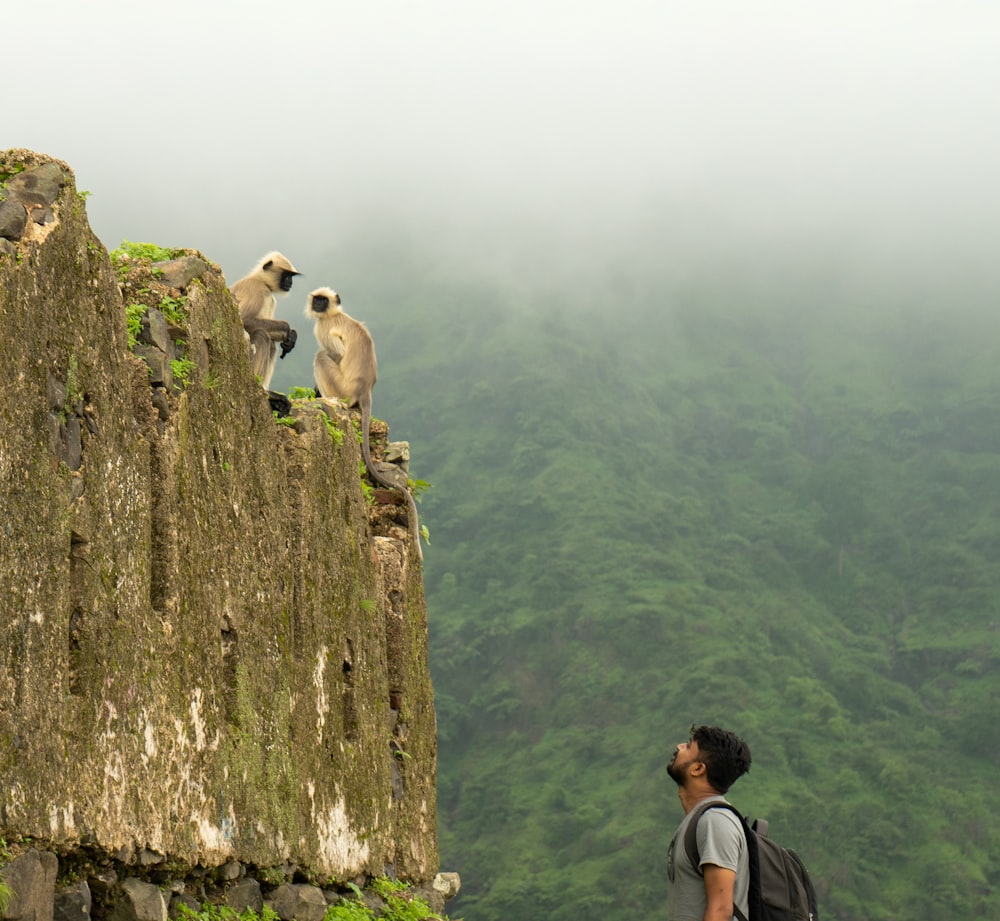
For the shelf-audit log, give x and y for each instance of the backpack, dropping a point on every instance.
(780, 887)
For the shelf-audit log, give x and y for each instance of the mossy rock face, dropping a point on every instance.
(204, 650)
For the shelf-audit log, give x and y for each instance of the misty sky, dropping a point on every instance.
(677, 129)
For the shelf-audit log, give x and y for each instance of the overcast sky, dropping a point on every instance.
(677, 125)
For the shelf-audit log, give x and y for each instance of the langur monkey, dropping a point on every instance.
(345, 367)
(255, 296)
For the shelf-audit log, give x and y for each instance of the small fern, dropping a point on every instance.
(6, 897)
(333, 430)
(182, 369)
(133, 320)
(149, 251)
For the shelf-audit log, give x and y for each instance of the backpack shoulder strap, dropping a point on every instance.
(691, 849)
(691, 832)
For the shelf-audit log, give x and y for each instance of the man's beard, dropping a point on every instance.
(677, 772)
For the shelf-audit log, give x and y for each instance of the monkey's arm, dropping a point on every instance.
(335, 348)
(275, 330)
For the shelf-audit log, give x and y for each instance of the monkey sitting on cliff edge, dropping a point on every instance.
(254, 295)
(345, 367)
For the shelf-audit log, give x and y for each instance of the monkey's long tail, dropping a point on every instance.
(366, 420)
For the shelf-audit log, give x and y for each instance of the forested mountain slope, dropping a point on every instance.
(770, 508)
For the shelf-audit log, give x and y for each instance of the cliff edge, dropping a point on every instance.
(206, 653)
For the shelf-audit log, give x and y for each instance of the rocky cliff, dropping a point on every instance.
(208, 652)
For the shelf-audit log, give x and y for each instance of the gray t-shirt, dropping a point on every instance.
(720, 842)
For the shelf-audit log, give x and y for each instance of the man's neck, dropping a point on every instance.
(690, 797)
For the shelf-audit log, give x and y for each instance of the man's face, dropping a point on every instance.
(685, 755)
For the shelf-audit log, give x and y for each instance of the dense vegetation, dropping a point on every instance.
(772, 507)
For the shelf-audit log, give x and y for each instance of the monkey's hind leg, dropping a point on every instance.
(330, 381)
(262, 356)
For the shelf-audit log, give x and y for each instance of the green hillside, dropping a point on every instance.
(775, 508)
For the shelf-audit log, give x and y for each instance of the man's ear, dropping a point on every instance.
(697, 768)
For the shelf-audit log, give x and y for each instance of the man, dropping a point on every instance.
(704, 768)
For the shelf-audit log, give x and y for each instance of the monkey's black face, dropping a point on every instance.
(320, 303)
(286, 280)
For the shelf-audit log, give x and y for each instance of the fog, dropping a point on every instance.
(535, 137)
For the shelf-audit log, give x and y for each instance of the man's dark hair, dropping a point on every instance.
(725, 755)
